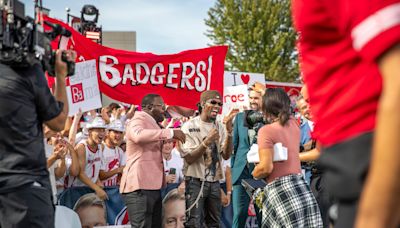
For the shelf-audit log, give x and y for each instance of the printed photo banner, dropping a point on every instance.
(128, 76)
(292, 90)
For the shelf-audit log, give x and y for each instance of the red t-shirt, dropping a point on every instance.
(339, 43)
(289, 136)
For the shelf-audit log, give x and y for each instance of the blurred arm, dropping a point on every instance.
(382, 188)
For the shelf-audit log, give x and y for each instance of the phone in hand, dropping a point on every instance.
(172, 171)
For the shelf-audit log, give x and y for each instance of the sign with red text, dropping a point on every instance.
(242, 78)
(235, 97)
(128, 76)
(83, 90)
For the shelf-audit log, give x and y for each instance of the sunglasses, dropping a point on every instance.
(162, 106)
(214, 102)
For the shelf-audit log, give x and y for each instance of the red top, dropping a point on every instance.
(289, 136)
(339, 43)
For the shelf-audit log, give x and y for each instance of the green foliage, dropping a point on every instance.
(260, 36)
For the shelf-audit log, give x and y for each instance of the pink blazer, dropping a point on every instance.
(144, 165)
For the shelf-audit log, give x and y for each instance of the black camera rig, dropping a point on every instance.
(23, 41)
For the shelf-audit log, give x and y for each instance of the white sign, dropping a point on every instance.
(242, 78)
(83, 91)
(235, 97)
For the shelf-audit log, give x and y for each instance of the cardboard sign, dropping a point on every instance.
(83, 90)
(242, 78)
(235, 97)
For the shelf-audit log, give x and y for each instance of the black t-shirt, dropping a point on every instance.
(25, 103)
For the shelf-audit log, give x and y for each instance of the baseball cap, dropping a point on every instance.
(209, 94)
(116, 125)
(97, 122)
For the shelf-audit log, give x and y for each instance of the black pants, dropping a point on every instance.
(30, 206)
(345, 167)
(321, 194)
(144, 208)
(208, 208)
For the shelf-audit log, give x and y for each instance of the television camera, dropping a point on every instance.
(23, 40)
(254, 120)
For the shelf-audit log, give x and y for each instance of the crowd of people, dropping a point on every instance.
(190, 172)
(94, 148)
(197, 161)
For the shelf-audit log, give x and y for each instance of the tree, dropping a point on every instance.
(260, 36)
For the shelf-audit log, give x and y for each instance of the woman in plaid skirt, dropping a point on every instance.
(288, 200)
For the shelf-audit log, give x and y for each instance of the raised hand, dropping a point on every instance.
(213, 136)
(229, 119)
(179, 135)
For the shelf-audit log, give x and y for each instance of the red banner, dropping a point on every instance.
(292, 89)
(128, 76)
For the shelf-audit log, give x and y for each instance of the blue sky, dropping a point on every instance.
(162, 26)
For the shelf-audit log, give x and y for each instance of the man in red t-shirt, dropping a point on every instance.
(350, 59)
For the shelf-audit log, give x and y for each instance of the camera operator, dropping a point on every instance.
(243, 138)
(25, 104)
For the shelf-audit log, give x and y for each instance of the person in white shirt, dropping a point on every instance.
(89, 158)
(112, 157)
(173, 165)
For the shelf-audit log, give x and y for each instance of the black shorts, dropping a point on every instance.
(345, 166)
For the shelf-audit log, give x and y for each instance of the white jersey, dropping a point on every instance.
(92, 165)
(66, 181)
(175, 162)
(112, 159)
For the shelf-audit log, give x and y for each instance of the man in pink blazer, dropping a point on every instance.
(143, 175)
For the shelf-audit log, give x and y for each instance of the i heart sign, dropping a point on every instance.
(245, 78)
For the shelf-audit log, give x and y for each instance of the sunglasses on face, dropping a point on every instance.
(214, 102)
(162, 106)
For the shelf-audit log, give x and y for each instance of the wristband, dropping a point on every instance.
(228, 192)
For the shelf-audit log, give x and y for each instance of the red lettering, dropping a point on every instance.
(226, 96)
(233, 98)
(77, 93)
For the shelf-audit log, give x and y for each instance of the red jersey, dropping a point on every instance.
(339, 42)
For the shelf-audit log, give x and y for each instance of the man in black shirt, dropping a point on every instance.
(25, 104)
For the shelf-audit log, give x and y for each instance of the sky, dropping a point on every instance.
(162, 26)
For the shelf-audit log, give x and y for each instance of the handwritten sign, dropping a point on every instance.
(83, 90)
(242, 78)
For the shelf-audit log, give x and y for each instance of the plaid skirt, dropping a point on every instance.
(289, 203)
